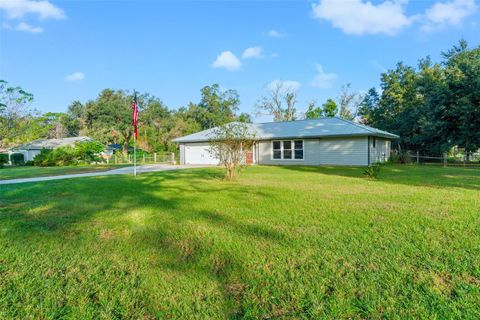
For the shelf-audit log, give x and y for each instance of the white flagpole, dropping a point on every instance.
(135, 146)
(134, 156)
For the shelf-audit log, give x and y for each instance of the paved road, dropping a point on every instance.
(125, 170)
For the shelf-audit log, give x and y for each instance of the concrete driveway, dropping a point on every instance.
(125, 170)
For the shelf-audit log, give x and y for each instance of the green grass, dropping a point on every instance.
(282, 242)
(7, 173)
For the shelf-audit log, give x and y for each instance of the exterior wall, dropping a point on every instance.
(182, 153)
(324, 151)
(381, 151)
(31, 154)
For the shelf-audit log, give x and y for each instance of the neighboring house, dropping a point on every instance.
(111, 149)
(323, 141)
(32, 149)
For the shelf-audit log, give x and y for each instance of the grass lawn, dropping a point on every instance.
(282, 242)
(7, 173)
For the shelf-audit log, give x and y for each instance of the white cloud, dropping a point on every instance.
(442, 14)
(227, 60)
(358, 17)
(287, 84)
(276, 34)
(22, 26)
(253, 52)
(323, 80)
(19, 8)
(76, 76)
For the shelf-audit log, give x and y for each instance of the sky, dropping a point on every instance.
(62, 51)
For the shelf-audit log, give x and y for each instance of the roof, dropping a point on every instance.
(309, 128)
(50, 143)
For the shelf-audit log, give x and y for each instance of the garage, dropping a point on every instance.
(199, 154)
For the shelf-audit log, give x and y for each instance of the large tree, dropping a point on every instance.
(279, 101)
(216, 106)
(15, 113)
(109, 117)
(432, 107)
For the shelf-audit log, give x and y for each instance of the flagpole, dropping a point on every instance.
(135, 143)
(134, 156)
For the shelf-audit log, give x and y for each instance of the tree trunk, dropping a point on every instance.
(127, 138)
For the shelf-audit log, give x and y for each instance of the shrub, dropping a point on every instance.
(402, 157)
(62, 156)
(17, 158)
(3, 159)
(29, 163)
(372, 171)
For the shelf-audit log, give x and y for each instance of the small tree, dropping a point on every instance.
(230, 143)
(88, 150)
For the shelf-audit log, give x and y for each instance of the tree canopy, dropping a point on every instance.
(431, 107)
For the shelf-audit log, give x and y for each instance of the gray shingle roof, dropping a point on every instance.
(51, 143)
(310, 128)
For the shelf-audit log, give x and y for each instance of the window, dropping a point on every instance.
(299, 149)
(287, 149)
(277, 151)
(374, 142)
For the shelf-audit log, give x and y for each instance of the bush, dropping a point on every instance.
(3, 159)
(62, 156)
(17, 159)
(29, 163)
(372, 171)
(402, 157)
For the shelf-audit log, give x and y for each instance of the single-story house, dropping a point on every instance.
(31, 149)
(323, 141)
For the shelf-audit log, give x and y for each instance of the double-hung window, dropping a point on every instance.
(287, 149)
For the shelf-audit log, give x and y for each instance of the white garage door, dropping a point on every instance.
(199, 154)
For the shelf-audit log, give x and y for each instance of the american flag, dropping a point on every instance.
(135, 115)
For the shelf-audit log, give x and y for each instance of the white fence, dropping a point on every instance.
(160, 158)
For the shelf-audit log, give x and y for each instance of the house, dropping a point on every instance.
(31, 149)
(323, 141)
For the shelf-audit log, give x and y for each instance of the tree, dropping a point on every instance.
(432, 107)
(329, 108)
(229, 143)
(313, 111)
(109, 117)
(348, 102)
(244, 117)
(74, 120)
(279, 102)
(216, 107)
(14, 113)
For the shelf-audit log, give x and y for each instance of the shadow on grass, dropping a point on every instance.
(437, 177)
(62, 209)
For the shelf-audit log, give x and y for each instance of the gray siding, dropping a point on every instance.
(325, 151)
(182, 153)
(381, 151)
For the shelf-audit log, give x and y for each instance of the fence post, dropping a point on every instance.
(418, 158)
(155, 157)
(144, 158)
(444, 159)
(172, 155)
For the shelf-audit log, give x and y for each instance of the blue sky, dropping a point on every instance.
(70, 50)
